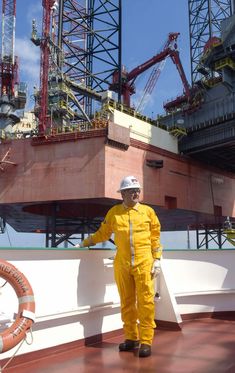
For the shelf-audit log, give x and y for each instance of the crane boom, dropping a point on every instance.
(146, 65)
(176, 60)
(128, 79)
(149, 87)
(155, 74)
(44, 64)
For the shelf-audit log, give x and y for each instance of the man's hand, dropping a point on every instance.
(79, 245)
(156, 268)
(85, 243)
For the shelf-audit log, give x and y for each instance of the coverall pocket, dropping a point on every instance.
(145, 281)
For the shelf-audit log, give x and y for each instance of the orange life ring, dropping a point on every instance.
(10, 337)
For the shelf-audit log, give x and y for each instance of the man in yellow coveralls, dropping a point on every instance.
(136, 231)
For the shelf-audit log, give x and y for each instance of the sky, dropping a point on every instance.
(146, 25)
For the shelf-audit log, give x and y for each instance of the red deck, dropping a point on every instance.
(202, 346)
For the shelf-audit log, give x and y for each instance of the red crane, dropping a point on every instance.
(8, 62)
(13, 93)
(44, 65)
(155, 73)
(128, 79)
(149, 87)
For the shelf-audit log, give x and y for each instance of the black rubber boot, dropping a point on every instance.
(145, 350)
(128, 345)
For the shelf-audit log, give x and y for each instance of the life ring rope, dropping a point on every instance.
(18, 348)
(25, 317)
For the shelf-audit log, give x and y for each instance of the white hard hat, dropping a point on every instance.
(129, 182)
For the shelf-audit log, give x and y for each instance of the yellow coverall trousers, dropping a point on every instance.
(136, 292)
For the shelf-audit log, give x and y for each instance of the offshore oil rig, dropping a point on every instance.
(61, 166)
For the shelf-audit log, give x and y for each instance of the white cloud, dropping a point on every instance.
(29, 66)
(29, 60)
(26, 50)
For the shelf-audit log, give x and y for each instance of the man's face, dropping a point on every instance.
(131, 196)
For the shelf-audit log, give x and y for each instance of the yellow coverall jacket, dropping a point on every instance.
(137, 237)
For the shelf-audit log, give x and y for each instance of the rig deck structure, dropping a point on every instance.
(64, 184)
